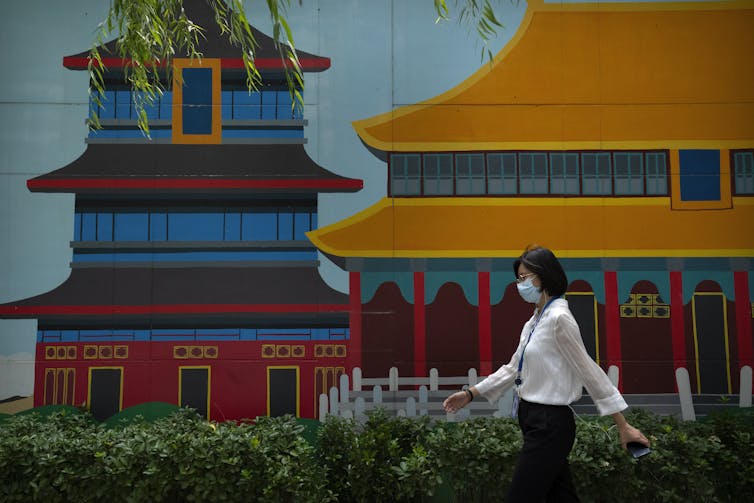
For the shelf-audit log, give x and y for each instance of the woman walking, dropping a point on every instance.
(548, 369)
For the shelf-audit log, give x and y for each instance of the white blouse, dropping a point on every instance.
(556, 366)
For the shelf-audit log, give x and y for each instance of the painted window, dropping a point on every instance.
(629, 173)
(743, 173)
(533, 172)
(195, 334)
(596, 173)
(502, 173)
(564, 173)
(405, 174)
(470, 174)
(196, 101)
(438, 174)
(605, 173)
(120, 104)
(657, 174)
(700, 175)
(232, 224)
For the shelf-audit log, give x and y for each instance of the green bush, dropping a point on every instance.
(386, 459)
(179, 458)
(67, 456)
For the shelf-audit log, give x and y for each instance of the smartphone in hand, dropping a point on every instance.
(637, 450)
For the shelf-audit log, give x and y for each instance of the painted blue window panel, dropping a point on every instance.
(314, 221)
(226, 108)
(195, 227)
(301, 225)
(166, 105)
(106, 109)
(700, 175)
(285, 226)
(69, 335)
(197, 101)
(743, 169)
(77, 227)
(259, 226)
(533, 172)
(248, 334)
(320, 334)
(195, 256)
(284, 105)
(123, 105)
(217, 334)
(656, 173)
(131, 227)
(130, 133)
(232, 226)
(264, 133)
(89, 227)
(246, 105)
(158, 226)
(269, 105)
(152, 109)
(104, 226)
(298, 111)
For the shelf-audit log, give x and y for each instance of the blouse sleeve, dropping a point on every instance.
(568, 339)
(497, 383)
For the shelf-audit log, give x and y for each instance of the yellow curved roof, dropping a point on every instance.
(573, 227)
(589, 76)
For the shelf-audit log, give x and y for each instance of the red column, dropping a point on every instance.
(612, 323)
(743, 318)
(677, 328)
(485, 324)
(420, 336)
(354, 320)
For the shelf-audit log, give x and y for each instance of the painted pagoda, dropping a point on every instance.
(192, 280)
(612, 133)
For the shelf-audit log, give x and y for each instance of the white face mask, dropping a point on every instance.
(528, 291)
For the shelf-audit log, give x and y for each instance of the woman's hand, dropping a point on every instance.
(456, 401)
(627, 432)
(630, 434)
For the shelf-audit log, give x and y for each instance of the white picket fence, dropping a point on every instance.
(405, 396)
(421, 396)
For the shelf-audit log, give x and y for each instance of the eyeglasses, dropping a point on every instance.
(522, 277)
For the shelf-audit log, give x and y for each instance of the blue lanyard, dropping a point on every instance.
(518, 380)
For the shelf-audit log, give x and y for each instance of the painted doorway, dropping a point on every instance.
(105, 391)
(193, 389)
(711, 344)
(282, 391)
(646, 341)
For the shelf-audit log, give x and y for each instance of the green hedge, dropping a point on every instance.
(68, 457)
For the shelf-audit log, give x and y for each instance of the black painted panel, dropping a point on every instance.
(283, 387)
(104, 393)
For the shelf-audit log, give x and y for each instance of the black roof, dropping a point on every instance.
(196, 296)
(159, 168)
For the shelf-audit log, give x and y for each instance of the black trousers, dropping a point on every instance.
(542, 472)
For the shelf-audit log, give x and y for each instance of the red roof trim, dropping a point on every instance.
(189, 183)
(312, 64)
(110, 310)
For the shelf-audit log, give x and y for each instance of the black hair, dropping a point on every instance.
(543, 262)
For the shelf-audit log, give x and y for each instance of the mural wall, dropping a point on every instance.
(251, 252)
